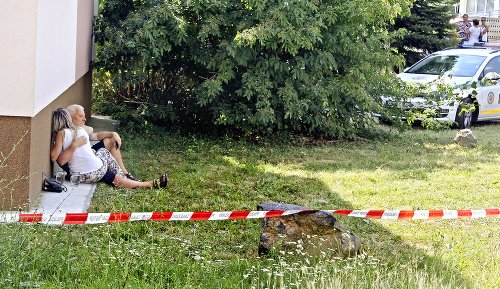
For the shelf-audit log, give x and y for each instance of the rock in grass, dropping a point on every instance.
(465, 138)
(307, 232)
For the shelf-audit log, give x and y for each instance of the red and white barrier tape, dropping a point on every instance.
(99, 218)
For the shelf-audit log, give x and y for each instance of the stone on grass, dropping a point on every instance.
(311, 232)
(465, 138)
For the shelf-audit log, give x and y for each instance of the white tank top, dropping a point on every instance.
(83, 160)
(474, 34)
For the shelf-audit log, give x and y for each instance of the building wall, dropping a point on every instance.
(18, 56)
(31, 157)
(488, 8)
(45, 54)
(49, 48)
(14, 161)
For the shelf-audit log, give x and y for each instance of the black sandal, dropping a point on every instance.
(131, 177)
(162, 182)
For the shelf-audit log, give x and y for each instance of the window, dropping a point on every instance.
(457, 65)
(471, 6)
(492, 66)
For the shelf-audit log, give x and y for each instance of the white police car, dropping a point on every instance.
(459, 66)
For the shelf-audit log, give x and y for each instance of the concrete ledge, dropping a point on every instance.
(75, 200)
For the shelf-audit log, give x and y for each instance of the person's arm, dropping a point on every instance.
(63, 157)
(115, 137)
(57, 146)
(88, 129)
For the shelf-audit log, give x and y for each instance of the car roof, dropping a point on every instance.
(482, 51)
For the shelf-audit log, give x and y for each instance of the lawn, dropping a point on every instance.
(418, 169)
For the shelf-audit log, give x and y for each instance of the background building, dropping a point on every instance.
(45, 54)
(488, 8)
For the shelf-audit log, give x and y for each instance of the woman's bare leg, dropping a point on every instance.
(127, 183)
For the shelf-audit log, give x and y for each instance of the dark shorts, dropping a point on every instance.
(98, 145)
(108, 178)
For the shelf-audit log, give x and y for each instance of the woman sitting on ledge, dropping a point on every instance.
(71, 145)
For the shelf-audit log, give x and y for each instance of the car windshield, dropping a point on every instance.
(457, 65)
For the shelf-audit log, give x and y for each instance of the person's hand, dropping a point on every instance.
(79, 141)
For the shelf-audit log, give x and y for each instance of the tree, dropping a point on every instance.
(428, 29)
(253, 66)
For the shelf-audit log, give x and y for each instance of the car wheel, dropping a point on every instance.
(464, 118)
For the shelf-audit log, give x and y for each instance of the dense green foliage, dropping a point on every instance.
(254, 67)
(428, 29)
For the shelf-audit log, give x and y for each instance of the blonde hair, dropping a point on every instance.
(61, 119)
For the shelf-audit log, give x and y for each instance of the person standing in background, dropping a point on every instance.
(484, 30)
(474, 32)
(462, 27)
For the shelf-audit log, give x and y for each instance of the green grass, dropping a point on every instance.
(419, 169)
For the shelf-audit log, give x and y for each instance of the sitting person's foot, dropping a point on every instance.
(131, 177)
(161, 182)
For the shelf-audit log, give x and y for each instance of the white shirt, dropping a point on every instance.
(83, 160)
(474, 33)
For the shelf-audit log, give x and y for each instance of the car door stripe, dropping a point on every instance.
(491, 111)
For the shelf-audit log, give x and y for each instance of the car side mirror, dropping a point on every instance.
(491, 76)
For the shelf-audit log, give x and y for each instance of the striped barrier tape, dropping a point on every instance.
(99, 218)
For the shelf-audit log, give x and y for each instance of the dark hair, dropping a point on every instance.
(475, 21)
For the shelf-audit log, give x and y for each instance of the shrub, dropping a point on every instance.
(255, 67)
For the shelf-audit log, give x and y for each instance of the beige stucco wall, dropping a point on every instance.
(46, 47)
(18, 20)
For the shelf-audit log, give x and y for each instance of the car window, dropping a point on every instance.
(492, 66)
(457, 65)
